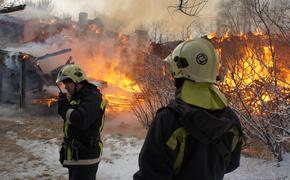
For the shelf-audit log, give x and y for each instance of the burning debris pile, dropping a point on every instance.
(15, 30)
(110, 59)
(249, 62)
(18, 69)
(256, 81)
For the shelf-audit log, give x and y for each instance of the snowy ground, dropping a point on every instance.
(30, 145)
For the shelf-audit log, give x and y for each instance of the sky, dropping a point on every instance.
(135, 6)
(126, 15)
(75, 6)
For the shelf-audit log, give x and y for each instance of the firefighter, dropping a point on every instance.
(83, 115)
(197, 135)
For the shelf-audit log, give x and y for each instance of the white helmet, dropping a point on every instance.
(195, 60)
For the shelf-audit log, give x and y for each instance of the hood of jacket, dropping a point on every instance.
(207, 126)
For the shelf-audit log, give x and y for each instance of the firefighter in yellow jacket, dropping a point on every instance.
(83, 115)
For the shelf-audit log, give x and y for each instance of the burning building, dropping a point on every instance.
(257, 83)
(15, 29)
(250, 60)
(108, 57)
(20, 73)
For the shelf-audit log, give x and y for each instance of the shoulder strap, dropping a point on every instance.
(177, 140)
(178, 137)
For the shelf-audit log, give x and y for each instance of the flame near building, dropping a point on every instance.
(116, 58)
(260, 71)
(107, 56)
(256, 82)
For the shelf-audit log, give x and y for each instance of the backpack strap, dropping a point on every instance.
(178, 138)
(236, 137)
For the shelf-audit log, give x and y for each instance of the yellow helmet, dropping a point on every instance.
(73, 72)
(195, 60)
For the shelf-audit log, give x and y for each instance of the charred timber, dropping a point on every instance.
(53, 54)
(22, 84)
(12, 9)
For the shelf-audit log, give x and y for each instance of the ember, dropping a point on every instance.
(46, 101)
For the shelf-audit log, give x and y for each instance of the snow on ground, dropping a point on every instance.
(119, 162)
(30, 146)
(257, 169)
(120, 158)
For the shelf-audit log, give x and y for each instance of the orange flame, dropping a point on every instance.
(258, 32)
(46, 101)
(25, 57)
(255, 67)
(114, 73)
(212, 35)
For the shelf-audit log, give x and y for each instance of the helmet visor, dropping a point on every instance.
(61, 78)
(169, 58)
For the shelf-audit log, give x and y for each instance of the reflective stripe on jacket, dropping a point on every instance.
(82, 126)
(186, 142)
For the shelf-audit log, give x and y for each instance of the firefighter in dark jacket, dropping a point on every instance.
(83, 115)
(197, 136)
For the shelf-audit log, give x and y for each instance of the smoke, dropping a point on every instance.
(127, 15)
(131, 14)
(32, 12)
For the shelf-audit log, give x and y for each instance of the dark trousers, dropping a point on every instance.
(85, 172)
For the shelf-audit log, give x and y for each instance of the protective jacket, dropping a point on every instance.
(83, 122)
(188, 142)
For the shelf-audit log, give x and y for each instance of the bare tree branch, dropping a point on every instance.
(191, 7)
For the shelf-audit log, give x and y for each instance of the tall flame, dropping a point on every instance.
(112, 71)
(255, 67)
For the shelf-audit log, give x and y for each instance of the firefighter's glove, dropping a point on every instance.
(63, 105)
